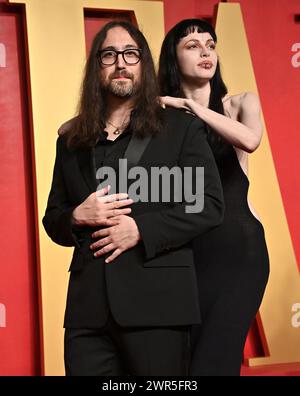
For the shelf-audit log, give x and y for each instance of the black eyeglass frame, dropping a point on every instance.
(100, 52)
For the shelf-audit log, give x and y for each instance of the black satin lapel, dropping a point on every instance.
(87, 167)
(133, 154)
(135, 149)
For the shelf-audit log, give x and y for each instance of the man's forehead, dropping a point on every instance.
(118, 38)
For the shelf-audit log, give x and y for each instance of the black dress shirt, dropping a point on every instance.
(108, 152)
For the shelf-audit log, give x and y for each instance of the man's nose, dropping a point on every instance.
(120, 62)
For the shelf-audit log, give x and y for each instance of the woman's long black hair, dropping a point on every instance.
(169, 72)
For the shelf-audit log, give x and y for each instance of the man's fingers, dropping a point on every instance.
(119, 204)
(101, 233)
(114, 197)
(121, 212)
(105, 249)
(118, 212)
(112, 217)
(110, 222)
(115, 254)
(100, 243)
(103, 191)
(106, 223)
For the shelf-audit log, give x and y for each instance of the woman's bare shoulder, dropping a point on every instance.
(237, 101)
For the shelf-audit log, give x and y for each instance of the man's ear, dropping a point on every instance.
(66, 126)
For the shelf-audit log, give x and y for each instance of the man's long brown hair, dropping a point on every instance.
(84, 129)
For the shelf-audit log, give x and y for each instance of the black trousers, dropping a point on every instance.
(115, 350)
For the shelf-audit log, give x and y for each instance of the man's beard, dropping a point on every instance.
(121, 88)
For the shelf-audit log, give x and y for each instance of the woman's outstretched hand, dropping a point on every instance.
(179, 103)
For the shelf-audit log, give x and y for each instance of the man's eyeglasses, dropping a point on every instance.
(131, 56)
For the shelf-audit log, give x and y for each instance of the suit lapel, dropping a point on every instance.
(133, 154)
(86, 159)
(135, 149)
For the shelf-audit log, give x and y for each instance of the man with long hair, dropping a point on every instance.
(132, 293)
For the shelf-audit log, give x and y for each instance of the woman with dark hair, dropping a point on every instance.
(231, 260)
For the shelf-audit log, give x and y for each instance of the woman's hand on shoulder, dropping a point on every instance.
(179, 103)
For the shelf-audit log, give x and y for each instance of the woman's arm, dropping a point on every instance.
(245, 134)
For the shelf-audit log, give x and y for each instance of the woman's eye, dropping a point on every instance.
(212, 46)
(192, 46)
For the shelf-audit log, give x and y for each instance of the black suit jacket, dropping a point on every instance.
(154, 283)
